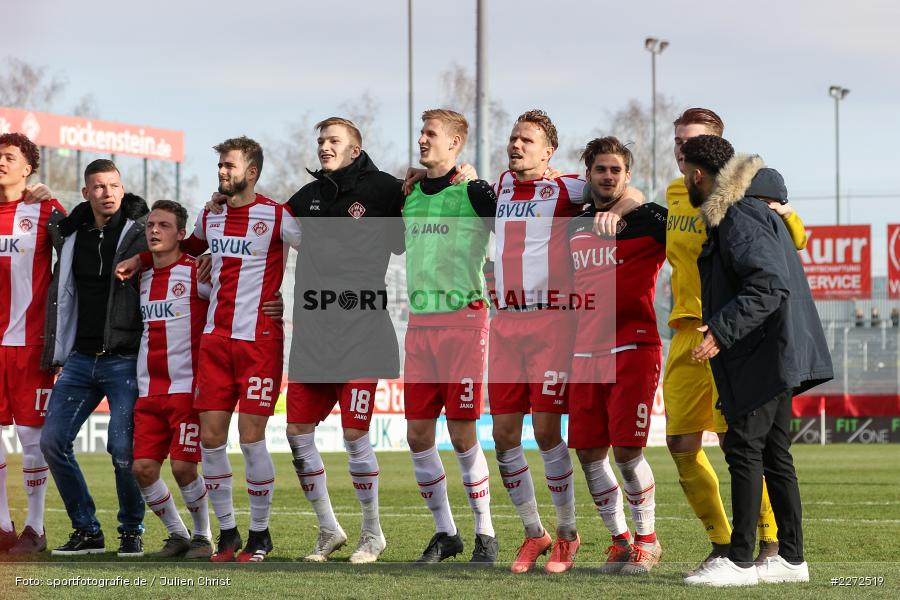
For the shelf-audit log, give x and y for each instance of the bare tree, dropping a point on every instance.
(25, 85)
(458, 91)
(288, 158)
(364, 112)
(632, 124)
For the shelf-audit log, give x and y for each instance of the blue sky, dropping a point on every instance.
(216, 69)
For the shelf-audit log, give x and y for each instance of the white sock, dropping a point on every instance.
(218, 479)
(640, 490)
(364, 473)
(313, 480)
(35, 474)
(194, 496)
(606, 494)
(260, 483)
(518, 483)
(476, 480)
(433, 487)
(561, 483)
(160, 501)
(5, 519)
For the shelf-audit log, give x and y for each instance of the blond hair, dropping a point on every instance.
(352, 129)
(454, 123)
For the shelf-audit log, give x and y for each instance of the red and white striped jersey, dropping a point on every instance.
(25, 256)
(173, 306)
(249, 250)
(531, 262)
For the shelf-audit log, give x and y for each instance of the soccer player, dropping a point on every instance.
(447, 234)
(173, 306)
(530, 346)
(351, 223)
(688, 386)
(241, 349)
(617, 355)
(25, 255)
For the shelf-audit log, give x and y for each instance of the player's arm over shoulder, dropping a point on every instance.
(797, 229)
(658, 216)
(483, 200)
(576, 188)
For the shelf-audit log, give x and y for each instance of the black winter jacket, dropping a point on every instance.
(756, 299)
(122, 332)
(351, 222)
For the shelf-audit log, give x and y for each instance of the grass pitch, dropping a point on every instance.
(851, 497)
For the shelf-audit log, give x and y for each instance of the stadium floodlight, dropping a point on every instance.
(654, 46)
(838, 93)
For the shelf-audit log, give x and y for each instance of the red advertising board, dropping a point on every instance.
(837, 261)
(893, 282)
(92, 135)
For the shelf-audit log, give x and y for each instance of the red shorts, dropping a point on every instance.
(613, 414)
(312, 402)
(24, 387)
(529, 356)
(239, 373)
(444, 368)
(166, 426)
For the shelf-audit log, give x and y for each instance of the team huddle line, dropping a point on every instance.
(179, 329)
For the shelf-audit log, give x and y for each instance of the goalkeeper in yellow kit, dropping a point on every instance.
(688, 387)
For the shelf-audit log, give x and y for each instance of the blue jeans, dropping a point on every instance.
(84, 381)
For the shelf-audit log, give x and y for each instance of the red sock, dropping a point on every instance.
(646, 539)
(622, 536)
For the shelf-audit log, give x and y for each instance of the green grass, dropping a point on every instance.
(851, 499)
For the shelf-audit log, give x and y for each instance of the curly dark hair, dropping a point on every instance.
(29, 149)
(709, 152)
(541, 120)
(606, 145)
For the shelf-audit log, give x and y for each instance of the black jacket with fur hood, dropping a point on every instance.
(122, 331)
(756, 299)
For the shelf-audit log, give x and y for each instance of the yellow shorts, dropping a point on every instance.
(689, 389)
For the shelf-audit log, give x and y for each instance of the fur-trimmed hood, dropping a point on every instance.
(744, 175)
(731, 183)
